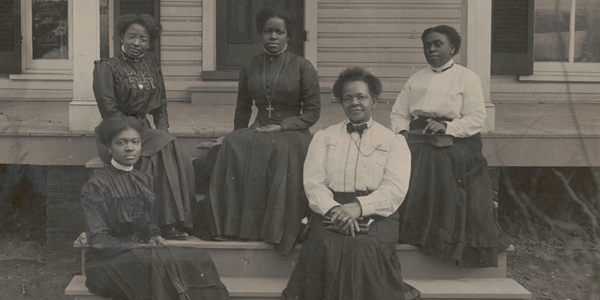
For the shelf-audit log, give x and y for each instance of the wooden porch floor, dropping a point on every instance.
(526, 134)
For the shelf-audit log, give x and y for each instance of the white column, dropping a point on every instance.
(209, 35)
(83, 112)
(310, 25)
(478, 50)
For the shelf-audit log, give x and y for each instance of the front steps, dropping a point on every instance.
(255, 271)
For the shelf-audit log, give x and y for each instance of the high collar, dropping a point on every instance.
(273, 56)
(119, 166)
(443, 68)
(128, 57)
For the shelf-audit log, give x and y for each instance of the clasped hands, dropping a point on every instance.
(434, 127)
(346, 217)
(269, 128)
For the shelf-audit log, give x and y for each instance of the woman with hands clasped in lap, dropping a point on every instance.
(356, 174)
(256, 187)
(129, 84)
(448, 211)
(127, 258)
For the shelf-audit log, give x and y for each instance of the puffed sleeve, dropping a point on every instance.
(400, 115)
(94, 204)
(160, 116)
(104, 90)
(320, 197)
(473, 111)
(396, 175)
(243, 107)
(310, 96)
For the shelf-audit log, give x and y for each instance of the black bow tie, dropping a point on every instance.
(358, 128)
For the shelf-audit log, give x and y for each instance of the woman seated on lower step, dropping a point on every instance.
(128, 258)
(356, 175)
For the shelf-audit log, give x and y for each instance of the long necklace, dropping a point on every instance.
(270, 99)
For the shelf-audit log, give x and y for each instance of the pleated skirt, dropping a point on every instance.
(448, 210)
(169, 163)
(334, 266)
(160, 272)
(256, 188)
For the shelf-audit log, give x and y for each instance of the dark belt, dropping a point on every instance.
(135, 115)
(348, 197)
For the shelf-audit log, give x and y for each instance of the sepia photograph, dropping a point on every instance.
(300, 149)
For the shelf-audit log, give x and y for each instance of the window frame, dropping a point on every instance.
(31, 65)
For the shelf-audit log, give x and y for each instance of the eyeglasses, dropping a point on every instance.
(142, 38)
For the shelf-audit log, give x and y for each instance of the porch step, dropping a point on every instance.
(259, 288)
(258, 259)
(227, 94)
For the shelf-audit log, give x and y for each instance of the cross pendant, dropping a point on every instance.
(270, 109)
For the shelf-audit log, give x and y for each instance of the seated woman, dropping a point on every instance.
(256, 187)
(356, 174)
(448, 210)
(132, 85)
(127, 258)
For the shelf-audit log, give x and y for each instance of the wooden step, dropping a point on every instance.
(259, 288)
(258, 259)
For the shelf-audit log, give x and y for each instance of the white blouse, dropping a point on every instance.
(455, 94)
(334, 162)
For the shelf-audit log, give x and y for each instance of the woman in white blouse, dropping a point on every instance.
(356, 174)
(448, 210)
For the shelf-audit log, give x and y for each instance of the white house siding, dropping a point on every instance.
(181, 46)
(35, 90)
(381, 35)
(508, 89)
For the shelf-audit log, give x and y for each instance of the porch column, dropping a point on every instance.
(478, 49)
(83, 112)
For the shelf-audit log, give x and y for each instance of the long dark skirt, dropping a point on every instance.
(169, 163)
(448, 210)
(335, 266)
(160, 272)
(256, 189)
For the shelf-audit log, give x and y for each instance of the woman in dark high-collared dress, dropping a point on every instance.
(256, 187)
(129, 84)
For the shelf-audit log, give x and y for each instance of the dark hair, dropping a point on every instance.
(267, 13)
(357, 74)
(109, 129)
(125, 21)
(449, 32)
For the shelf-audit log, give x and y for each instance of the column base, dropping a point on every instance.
(83, 116)
(489, 125)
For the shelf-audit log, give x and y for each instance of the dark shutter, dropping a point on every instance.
(10, 37)
(151, 7)
(512, 37)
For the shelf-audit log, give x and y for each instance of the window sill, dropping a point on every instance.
(561, 77)
(66, 75)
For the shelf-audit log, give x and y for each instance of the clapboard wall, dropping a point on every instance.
(382, 35)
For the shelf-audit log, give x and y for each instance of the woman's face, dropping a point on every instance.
(437, 48)
(274, 35)
(136, 40)
(126, 147)
(357, 101)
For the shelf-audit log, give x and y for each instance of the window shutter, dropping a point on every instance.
(10, 37)
(151, 7)
(512, 37)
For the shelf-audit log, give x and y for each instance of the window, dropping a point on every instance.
(566, 41)
(47, 35)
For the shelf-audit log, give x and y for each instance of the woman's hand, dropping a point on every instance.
(269, 128)
(434, 127)
(346, 216)
(156, 240)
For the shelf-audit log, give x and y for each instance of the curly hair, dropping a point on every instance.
(107, 130)
(267, 13)
(125, 21)
(449, 32)
(357, 74)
